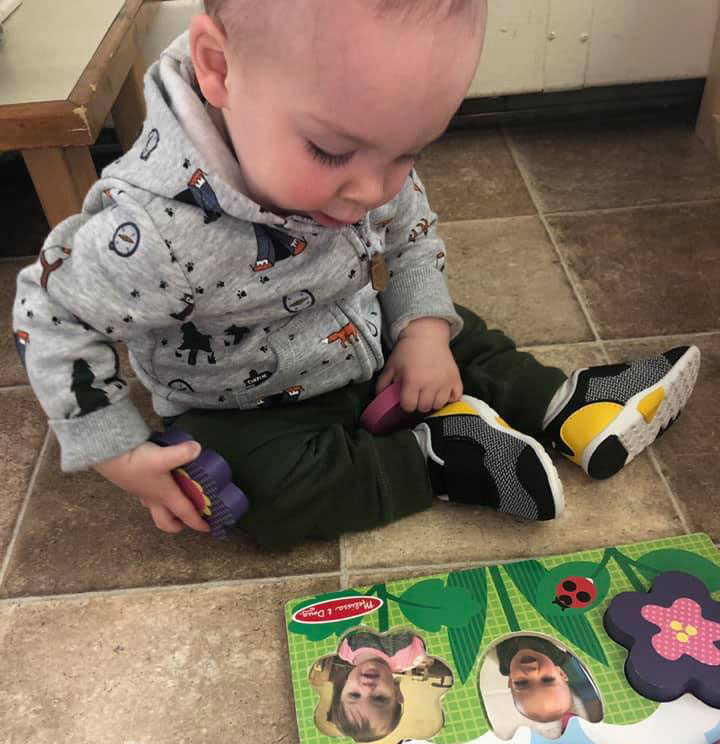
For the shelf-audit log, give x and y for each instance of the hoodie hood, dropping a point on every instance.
(179, 131)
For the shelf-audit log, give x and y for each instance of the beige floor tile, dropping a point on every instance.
(632, 506)
(205, 665)
(689, 451)
(11, 369)
(646, 272)
(489, 273)
(22, 430)
(471, 175)
(616, 163)
(81, 533)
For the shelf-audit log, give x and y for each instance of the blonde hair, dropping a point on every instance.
(235, 15)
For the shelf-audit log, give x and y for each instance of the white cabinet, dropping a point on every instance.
(537, 45)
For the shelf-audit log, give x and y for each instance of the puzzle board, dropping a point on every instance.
(474, 632)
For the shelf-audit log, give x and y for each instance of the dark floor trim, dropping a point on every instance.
(533, 108)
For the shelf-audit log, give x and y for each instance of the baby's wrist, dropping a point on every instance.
(438, 327)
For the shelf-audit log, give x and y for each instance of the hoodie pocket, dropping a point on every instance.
(318, 351)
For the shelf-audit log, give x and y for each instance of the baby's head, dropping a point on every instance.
(538, 686)
(366, 703)
(328, 103)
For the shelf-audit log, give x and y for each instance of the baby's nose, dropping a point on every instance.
(367, 192)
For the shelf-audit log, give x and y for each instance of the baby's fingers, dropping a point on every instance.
(184, 510)
(163, 519)
(431, 399)
(442, 398)
(169, 458)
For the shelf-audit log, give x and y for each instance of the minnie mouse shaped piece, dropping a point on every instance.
(206, 482)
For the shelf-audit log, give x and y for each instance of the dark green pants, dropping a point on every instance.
(310, 471)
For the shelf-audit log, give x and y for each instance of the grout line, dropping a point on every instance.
(13, 388)
(435, 568)
(551, 236)
(578, 212)
(23, 507)
(631, 207)
(198, 586)
(344, 576)
(624, 340)
(238, 583)
(511, 218)
(661, 336)
(671, 494)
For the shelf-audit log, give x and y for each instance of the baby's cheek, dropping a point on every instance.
(306, 189)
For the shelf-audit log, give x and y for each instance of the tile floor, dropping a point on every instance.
(587, 242)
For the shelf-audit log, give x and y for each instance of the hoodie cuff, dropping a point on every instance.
(99, 435)
(420, 292)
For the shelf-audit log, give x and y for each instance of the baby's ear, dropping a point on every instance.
(208, 46)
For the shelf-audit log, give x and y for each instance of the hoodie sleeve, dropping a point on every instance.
(416, 260)
(95, 283)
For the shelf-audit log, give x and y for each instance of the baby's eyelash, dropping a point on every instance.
(334, 161)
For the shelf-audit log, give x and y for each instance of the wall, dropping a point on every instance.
(536, 45)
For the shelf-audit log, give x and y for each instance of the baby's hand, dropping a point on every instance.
(146, 473)
(424, 365)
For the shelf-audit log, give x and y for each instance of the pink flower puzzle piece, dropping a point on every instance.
(672, 634)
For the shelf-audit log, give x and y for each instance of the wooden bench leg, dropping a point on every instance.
(129, 108)
(62, 177)
(708, 122)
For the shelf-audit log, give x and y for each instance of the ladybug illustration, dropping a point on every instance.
(574, 592)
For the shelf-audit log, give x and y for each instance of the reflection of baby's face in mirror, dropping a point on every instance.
(367, 702)
(371, 694)
(538, 686)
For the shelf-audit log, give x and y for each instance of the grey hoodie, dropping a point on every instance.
(221, 303)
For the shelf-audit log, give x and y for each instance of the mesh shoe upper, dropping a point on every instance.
(475, 463)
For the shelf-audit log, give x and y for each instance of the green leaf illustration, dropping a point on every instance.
(430, 604)
(671, 559)
(465, 642)
(527, 577)
(318, 631)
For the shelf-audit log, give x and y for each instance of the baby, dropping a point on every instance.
(268, 255)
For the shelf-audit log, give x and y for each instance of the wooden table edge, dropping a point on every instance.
(77, 121)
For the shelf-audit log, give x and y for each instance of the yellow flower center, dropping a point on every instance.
(686, 631)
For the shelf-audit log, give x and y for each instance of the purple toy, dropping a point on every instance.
(385, 415)
(206, 482)
(672, 634)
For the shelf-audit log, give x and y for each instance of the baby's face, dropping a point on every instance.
(538, 686)
(370, 693)
(330, 119)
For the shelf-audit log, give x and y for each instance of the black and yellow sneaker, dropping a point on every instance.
(474, 457)
(607, 415)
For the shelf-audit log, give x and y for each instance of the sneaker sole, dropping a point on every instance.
(631, 432)
(492, 419)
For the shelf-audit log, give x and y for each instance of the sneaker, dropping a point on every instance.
(474, 457)
(611, 413)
